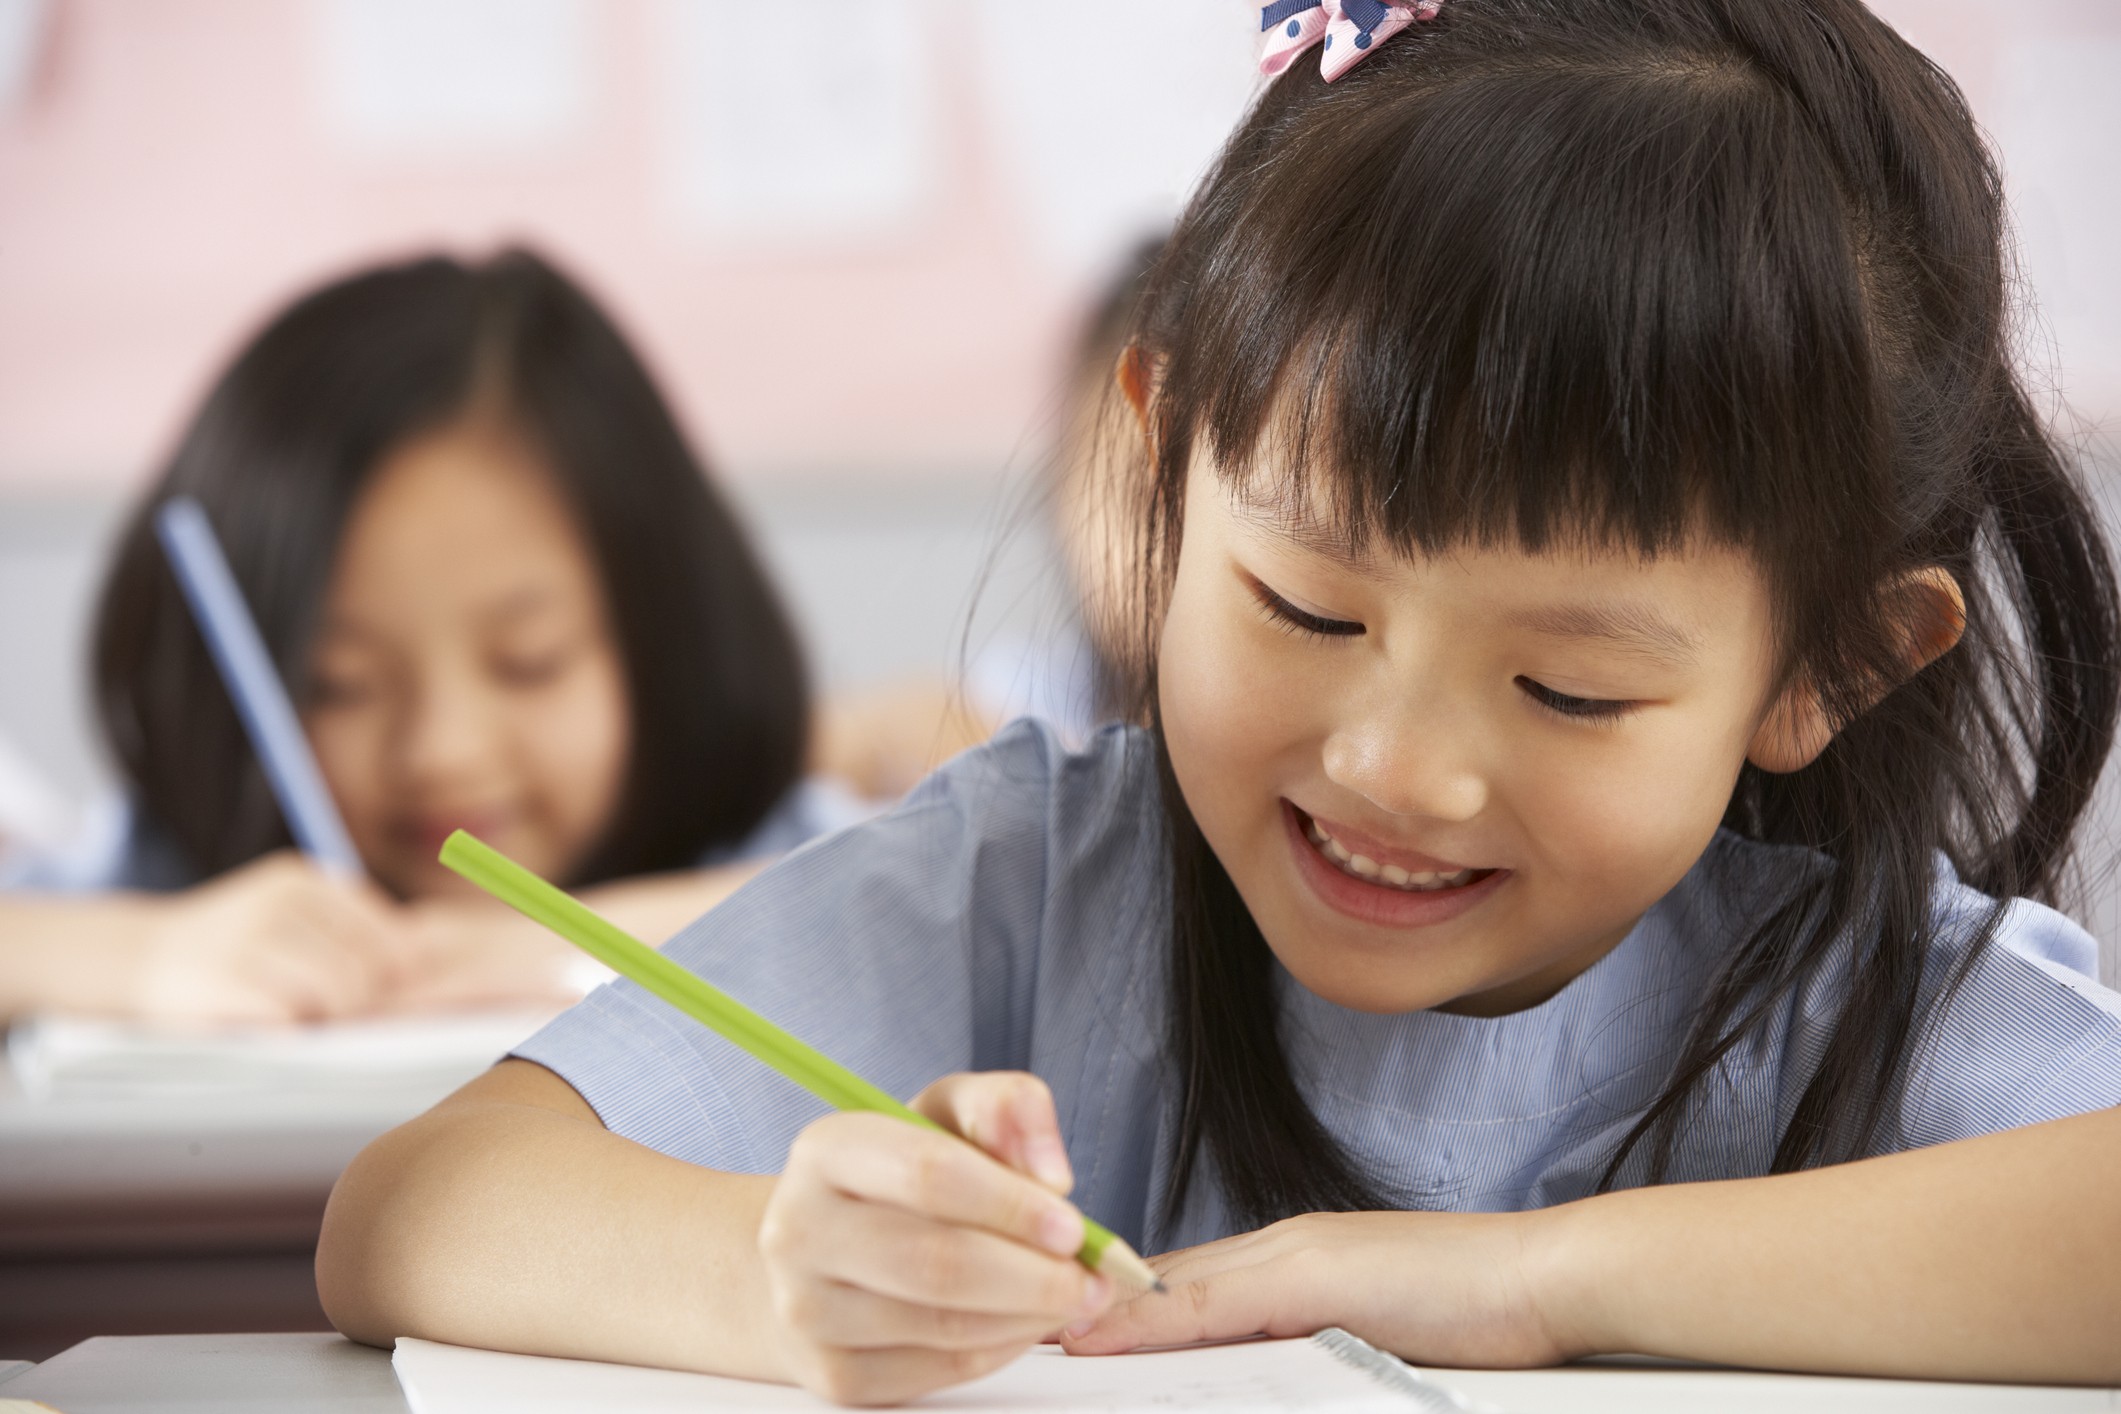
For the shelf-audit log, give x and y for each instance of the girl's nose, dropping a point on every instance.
(1408, 763)
(448, 736)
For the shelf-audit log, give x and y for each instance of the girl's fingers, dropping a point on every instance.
(1008, 1113)
(334, 950)
(367, 932)
(471, 962)
(384, 932)
(1238, 1302)
(888, 1161)
(1198, 1263)
(917, 1259)
(836, 1314)
(333, 977)
(299, 987)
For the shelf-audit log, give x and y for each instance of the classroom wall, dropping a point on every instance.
(855, 254)
(858, 256)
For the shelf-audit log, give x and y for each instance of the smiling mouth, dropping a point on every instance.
(1389, 876)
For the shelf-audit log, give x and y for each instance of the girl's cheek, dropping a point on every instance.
(584, 731)
(1230, 689)
(348, 743)
(1212, 706)
(1632, 819)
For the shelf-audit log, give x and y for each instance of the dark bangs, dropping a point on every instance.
(1617, 302)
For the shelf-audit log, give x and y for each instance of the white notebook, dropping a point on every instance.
(62, 1058)
(1331, 1371)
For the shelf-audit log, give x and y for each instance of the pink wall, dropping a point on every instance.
(165, 184)
(166, 178)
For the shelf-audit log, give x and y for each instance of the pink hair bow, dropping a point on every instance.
(1350, 28)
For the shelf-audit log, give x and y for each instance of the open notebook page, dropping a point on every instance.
(1263, 1377)
(58, 1057)
(1260, 1377)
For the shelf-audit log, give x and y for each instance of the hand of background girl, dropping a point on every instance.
(478, 953)
(473, 956)
(900, 1260)
(277, 940)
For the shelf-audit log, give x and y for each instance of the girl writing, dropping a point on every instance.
(1627, 666)
(503, 594)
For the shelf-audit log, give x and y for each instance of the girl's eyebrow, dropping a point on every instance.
(1278, 521)
(1632, 628)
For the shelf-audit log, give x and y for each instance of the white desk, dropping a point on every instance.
(239, 1374)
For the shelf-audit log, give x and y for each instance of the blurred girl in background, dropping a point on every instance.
(504, 595)
(885, 739)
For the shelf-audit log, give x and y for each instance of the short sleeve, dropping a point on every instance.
(2024, 1035)
(904, 947)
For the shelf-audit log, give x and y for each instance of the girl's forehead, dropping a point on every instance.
(462, 522)
(1313, 513)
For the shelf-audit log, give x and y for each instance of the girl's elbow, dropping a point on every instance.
(363, 1277)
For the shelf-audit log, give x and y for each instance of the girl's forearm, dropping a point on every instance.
(1996, 1258)
(501, 1219)
(67, 954)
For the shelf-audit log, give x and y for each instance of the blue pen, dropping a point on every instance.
(261, 700)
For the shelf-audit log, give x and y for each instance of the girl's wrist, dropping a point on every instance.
(1577, 1269)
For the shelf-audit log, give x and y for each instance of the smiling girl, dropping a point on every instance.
(1625, 669)
(504, 595)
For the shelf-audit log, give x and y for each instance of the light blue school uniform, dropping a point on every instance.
(118, 848)
(1011, 914)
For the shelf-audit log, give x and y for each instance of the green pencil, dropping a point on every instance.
(1102, 1250)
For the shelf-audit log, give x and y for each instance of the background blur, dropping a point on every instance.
(854, 240)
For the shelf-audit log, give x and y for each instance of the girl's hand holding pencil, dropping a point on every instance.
(902, 1260)
(274, 942)
(907, 1246)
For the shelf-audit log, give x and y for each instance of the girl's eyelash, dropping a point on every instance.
(1288, 616)
(532, 672)
(1581, 709)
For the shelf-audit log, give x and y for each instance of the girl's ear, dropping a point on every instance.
(1928, 611)
(1926, 608)
(1794, 732)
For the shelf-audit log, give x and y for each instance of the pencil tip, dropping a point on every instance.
(1128, 1271)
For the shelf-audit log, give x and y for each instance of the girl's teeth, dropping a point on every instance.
(1364, 867)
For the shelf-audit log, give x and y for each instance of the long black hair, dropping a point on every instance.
(1623, 272)
(283, 446)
